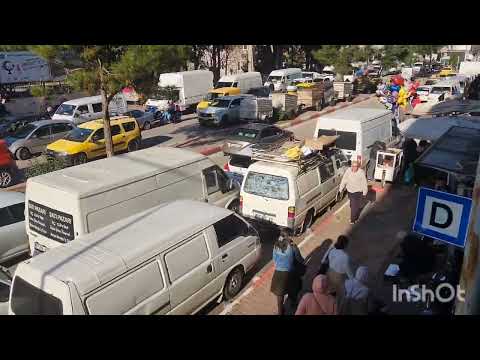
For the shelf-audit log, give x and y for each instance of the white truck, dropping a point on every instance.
(190, 87)
(469, 68)
(22, 67)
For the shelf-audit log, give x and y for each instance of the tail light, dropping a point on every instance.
(240, 205)
(291, 212)
(226, 167)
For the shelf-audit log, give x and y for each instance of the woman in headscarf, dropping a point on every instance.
(356, 296)
(319, 301)
(340, 266)
(283, 259)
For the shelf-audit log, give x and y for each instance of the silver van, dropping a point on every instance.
(172, 259)
(34, 137)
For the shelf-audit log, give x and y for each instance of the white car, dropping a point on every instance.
(13, 236)
(423, 92)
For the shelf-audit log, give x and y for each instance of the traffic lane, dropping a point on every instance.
(268, 236)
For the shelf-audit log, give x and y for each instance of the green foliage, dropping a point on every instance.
(13, 48)
(339, 56)
(39, 168)
(454, 60)
(39, 91)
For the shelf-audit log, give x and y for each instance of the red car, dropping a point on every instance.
(8, 167)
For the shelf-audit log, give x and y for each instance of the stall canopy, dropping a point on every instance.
(457, 152)
(432, 128)
(446, 107)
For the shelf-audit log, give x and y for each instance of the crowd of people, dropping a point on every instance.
(336, 289)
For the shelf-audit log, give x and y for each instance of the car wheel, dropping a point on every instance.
(81, 159)
(133, 145)
(307, 223)
(234, 206)
(6, 178)
(234, 283)
(23, 154)
(147, 125)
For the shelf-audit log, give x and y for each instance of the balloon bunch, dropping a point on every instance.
(398, 93)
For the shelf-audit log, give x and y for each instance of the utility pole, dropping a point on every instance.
(470, 277)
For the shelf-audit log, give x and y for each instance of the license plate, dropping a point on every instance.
(40, 247)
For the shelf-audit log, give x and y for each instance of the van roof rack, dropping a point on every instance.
(275, 153)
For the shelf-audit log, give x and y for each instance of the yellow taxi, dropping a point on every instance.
(87, 141)
(215, 93)
(446, 71)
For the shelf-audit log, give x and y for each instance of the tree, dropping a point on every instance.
(109, 68)
(340, 56)
(395, 54)
(7, 48)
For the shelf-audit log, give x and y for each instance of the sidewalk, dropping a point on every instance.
(375, 242)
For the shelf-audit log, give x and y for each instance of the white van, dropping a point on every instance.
(89, 108)
(445, 90)
(243, 81)
(288, 195)
(358, 129)
(172, 259)
(281, 79)
(65, 204)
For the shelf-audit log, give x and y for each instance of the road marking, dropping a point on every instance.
(341, 208)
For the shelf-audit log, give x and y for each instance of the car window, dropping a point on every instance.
(229, 229)
(129, 126)
(214, 179)
(326, 171)
(59, 128)
(137, 113)
(43, 131)
(98, 135)
(97, 107)
(11, 214)
(116, 130)
(83, 109)
(270, 131)
(4, 292)
(236, 102)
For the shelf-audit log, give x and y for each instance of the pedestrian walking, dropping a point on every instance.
(283, 259)
(355, 181)
(356, 297)
(319, 301)
(340, 267)
(296, 276)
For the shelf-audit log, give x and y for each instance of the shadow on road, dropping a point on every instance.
(156, 140)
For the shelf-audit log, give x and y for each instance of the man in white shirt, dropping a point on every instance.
(355, 181)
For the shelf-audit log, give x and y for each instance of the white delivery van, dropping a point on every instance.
(89, 108)
(407, 73)
(243, 81)
(287, 194)
(68, 203)
(279, 80)
(445, 90)
(358, 129)
(191, 87)
(171, 259)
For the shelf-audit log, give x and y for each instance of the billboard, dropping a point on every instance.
(21, 67)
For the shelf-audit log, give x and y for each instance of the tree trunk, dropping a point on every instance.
(106, 124)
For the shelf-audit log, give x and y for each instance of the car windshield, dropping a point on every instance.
(430, 82)
(30, 300)
(24, 131)
(275, 78)
(65, 109)
(211, 96)
(221, 103)
(266, 185)
(423, 89)
(246, 133)
(327, 72)
(78, 135)
(440, 89)
(223, 84)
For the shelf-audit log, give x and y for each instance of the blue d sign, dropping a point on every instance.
(442, 216)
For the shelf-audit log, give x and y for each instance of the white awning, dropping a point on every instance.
(431, 128)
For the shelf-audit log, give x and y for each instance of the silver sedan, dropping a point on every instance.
(144, 119)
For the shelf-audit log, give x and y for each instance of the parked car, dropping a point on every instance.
(254, 133)
(423, 92)
(13, 236)
(8, 167)
(144, 119)
(87, 141)
(172, 259)
(34, 137)
(223, 111)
